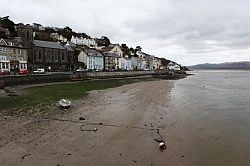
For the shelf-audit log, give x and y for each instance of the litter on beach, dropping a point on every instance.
(162, 145)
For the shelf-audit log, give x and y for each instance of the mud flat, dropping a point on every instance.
(111, 127)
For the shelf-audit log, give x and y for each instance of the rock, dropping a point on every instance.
(25, 156)
(158, 140)
(12, 94)
(81, 118)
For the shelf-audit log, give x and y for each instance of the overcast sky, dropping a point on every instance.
(186, 31)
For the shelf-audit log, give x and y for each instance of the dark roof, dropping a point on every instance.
(109, 54)
(2, 29)
(68, 47)
(107, 48)
(46, 44)
(90, 52)
(15, 43)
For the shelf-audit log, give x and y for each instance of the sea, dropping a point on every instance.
(211, 117)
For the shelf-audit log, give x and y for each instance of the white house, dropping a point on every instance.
(126, 64)
(134, 63)
(92, 58)
(58, 37)
(147, 60)
(84, 41)
(173, 66)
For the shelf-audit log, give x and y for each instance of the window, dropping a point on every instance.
(14, 51)
(1, 49)
(40, 54)
(48, 55)
(20, 58)
(3, 58)
(10, 50)
(63, 56)
(5, 65)
(28, 34)
(4, 50)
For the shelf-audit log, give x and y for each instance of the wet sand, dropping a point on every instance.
(125, 118)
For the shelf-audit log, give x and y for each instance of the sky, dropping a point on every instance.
(186, 31)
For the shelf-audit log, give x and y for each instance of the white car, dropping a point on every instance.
(80, 70)
(39, 71)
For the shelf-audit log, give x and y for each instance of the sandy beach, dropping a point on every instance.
(126, 119)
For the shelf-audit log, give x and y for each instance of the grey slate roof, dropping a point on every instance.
(93, 53)
(14, 42)
(109, 54)
(46, 44)
(68, 47)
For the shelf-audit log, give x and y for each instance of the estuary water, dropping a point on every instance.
(210, 115)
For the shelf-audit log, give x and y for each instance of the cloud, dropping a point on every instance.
(190, 31)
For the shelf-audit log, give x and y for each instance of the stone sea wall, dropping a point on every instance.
(36, 79)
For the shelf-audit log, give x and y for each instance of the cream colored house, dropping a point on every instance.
(116, 49)
(12, 55)
(156, 63)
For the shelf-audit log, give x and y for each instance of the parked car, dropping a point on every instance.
(80, 70)
(3, 73)
(24, 72)
(39, 71)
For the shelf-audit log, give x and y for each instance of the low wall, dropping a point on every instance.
(36, 79)
(118, 74)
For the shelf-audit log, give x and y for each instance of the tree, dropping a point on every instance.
(66, 32)
(5, 22)
(125, 49)
(138, 48)
(132, 51)
(104, 41)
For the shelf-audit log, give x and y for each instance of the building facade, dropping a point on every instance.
(50, 55)
(93, 59)
(173, 66)
(84, 41)
(156, 63)
(13, 55)
(126, 64)
(112, 61)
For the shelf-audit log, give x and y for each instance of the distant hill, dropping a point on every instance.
(228, 65)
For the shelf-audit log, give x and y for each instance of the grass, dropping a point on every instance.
(38, 97)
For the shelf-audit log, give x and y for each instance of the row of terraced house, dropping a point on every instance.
(24, 52)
